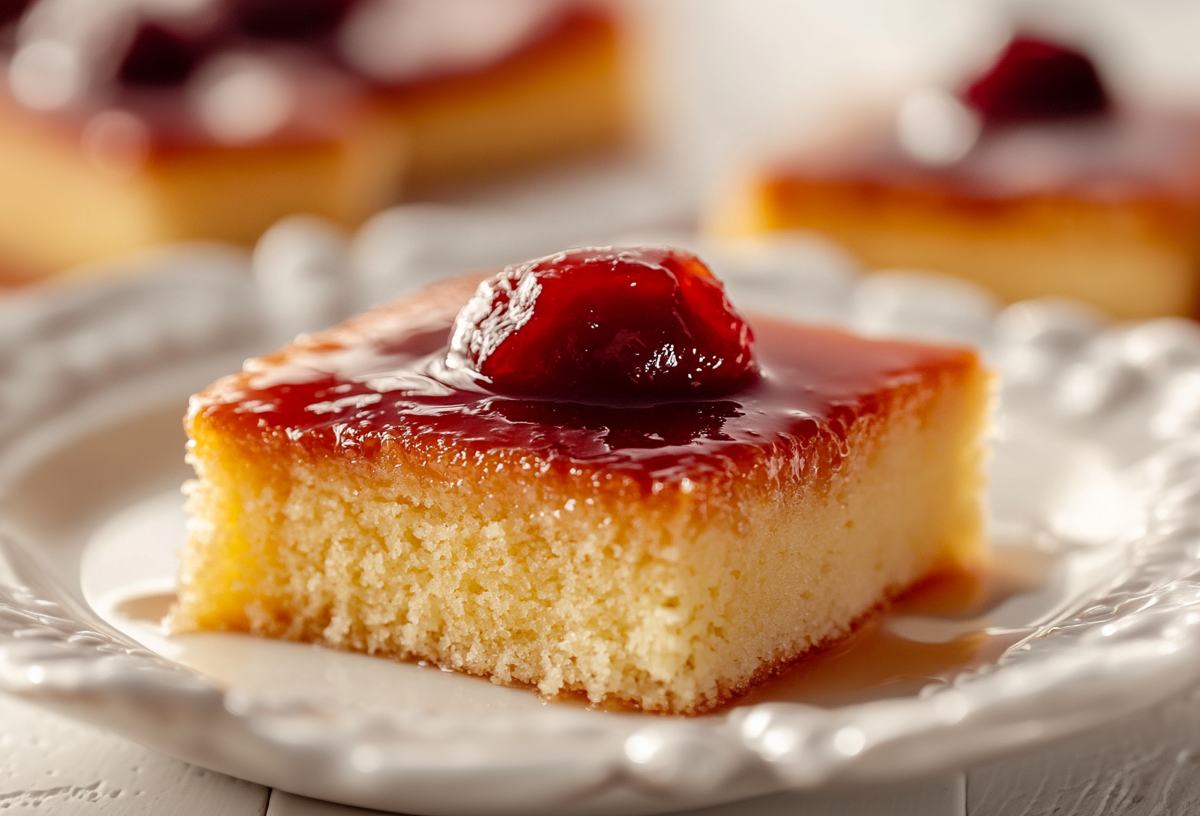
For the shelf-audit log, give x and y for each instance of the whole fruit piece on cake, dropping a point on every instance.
(605, 325)
(586, 474)
(1033, 180)
(1035, 80)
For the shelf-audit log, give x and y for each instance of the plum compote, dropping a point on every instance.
(605, 324)
(1036, 80)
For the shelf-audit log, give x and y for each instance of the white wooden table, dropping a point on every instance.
(1147, 764)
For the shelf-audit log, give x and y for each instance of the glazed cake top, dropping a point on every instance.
(234, 72)
(1044, 125)
(1134, 156)
(375, 389)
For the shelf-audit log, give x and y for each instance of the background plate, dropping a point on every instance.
(1095, 468)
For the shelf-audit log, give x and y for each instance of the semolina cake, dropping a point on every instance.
(678, 504)
(1062, 192)
(130, 124)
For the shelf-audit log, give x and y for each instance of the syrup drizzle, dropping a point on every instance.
(148, 609)
(905, 648)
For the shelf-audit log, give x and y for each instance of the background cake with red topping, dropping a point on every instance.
(588, 474)
(1034, 181)
(129, 124)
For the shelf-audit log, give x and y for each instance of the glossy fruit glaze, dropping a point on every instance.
(605, 324)
(1036, 80)
(376, 390)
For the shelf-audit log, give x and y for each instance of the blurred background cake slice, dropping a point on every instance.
(1032, 180)
(559, 94)
(132, 123)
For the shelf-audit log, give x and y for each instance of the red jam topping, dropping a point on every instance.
(159, 55)
(607, 324)
(11, 10)
(1036, 80)
(381, 388)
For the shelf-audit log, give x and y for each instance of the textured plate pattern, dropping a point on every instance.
(1131, 390)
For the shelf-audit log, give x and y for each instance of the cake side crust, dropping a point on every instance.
(1135, 257)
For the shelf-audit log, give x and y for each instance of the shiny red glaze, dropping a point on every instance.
(375, 392)
(1036, 80)
(607, 324)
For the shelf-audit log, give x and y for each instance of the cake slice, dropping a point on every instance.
(654, 506)
(213, 119)
(1062, 193)
(560, 94)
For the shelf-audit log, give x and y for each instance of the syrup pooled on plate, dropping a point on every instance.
(930, 633)
(933, 631)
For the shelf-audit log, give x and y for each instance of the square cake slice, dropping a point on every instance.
(1034, 183)
(665, 553)
(212, 119)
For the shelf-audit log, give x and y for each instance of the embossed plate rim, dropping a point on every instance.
(1134, 389)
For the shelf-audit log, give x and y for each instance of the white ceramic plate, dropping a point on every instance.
(1095, 468)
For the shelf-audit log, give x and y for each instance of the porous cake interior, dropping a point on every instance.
(671, 597)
